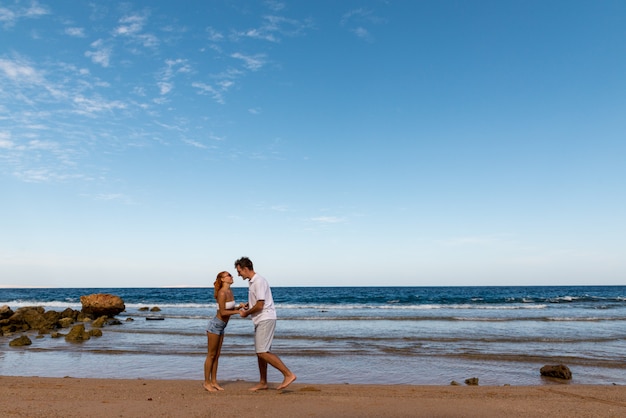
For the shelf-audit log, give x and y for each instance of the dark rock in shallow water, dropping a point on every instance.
(559, 371)
(77, 334)
(154, 318)
(20, 341)
(472, 381)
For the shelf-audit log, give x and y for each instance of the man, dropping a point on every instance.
(261, 308)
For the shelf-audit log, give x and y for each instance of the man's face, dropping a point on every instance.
(243, 272)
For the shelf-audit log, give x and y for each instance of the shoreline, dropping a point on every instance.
(80, 397)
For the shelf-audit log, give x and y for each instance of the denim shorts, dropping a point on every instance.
(216, 326)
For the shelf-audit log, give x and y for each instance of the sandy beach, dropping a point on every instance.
(73, 397)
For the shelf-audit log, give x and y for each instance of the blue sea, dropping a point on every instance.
(354, 335)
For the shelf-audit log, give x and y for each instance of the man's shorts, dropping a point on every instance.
(216, 326)
(263, 335)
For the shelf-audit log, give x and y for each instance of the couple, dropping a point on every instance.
(260, 307)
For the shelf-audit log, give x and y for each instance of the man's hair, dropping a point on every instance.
(244, 262)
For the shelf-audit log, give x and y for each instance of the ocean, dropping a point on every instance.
(351, 335)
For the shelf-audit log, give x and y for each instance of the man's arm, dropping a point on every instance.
(258, 307)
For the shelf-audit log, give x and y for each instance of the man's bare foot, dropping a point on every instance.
(260, 386)
(216, 386)
(208, 387)
(288, 380)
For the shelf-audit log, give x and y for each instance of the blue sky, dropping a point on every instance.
(376, 143)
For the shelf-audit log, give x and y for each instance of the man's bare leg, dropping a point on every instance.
(277, 363)
(262, 385)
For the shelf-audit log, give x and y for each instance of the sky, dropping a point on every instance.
(335, 143)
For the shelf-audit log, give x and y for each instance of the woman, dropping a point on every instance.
(215, 329)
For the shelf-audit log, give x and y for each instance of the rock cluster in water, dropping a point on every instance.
(99, 309)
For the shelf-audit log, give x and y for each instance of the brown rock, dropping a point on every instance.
(31, 317)
(99, 323)
(95, 332)
(472, 381)
(77, 334)
(559, 371)
(102, 304)
(5, 312)
(20, 341)
(65, 322)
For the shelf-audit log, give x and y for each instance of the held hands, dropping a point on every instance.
(242, 310)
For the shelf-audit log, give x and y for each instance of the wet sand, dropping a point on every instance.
(74, 397)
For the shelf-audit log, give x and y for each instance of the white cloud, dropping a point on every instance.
(204, 88)
(130, 25)
(328, 219)
(101, 55)
(252, 63)
(5, 141)
(473, 240)
(7, 16)
(77, 32)
(88, 106)
(16, 70)
(11, 16)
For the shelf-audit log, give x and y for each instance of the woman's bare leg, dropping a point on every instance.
(211, 358)
(215, 362)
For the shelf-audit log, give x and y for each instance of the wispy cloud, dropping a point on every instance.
(19, 70)
(473, 240)
(252, 63)
(76, 32)
(101, 53)
(10, 15)
(132, 28)
(356, 21)
(328, 219)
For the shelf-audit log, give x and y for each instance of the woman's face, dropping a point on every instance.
(227, 278)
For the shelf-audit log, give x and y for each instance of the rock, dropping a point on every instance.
(31, 317)
(143, 309)
(99, 323)
(559, 371)
(155, 309)
(20, 341)
(472, 381)
(455, 383)
(95, 332)
(65, 322)
(56, 334)
(102, 304)
(5, 312)
(77, 334)
(70, 313)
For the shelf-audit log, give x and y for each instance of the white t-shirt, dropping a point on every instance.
(259, 289)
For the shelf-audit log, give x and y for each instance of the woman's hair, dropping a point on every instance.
(218, 282)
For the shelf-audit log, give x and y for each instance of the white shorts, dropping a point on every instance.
(263, 335)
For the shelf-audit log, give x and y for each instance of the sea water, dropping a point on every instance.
(374, 335)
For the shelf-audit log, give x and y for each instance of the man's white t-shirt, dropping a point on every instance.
(259, 289)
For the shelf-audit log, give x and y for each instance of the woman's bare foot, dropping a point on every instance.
(208, 387)
(289, 379)
(216, 386)
(260, 386)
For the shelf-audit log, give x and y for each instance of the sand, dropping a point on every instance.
(78, 397)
